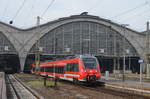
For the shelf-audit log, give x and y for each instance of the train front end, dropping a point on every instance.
(90, 68)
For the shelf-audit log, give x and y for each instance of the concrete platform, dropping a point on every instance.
(2, 86)
(126, 83)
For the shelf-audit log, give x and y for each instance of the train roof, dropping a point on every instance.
(70, 57)
(86, 56)
(76, 56)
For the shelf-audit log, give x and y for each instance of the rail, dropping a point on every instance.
(2, 86)
(20, 90)
(102, 88)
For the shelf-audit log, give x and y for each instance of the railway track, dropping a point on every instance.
(99, 87)
(17, 90)
(105, 92)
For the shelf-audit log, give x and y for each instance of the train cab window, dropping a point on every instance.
(89, 63)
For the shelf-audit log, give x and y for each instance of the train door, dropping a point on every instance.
(71, 70)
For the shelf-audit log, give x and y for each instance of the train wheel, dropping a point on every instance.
(75, 81)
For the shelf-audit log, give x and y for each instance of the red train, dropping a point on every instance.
(77, 68)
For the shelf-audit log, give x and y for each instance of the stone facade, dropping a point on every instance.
(56, 32)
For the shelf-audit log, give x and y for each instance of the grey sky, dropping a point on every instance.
(62, 8)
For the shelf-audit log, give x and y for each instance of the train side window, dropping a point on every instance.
(62, 70)
(50, 69)
(41, 69)
(45, 69)
(68, 68)
(56, 69)
(76, 67)
(33, 68)
(65, 68)
(72, 67)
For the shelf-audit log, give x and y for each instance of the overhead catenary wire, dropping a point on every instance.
(41, 17)
(142, 14)
(139, 14)
(31, 12)
(130, 10)
(32, 7)
(139, 19)
(21, 6)
(50, 4)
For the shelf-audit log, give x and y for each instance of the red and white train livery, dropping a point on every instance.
(79, 68)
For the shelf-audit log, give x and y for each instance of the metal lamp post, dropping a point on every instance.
(37, 53)
(124, 51)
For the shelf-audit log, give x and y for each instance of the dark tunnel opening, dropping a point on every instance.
(31, 60)
(9, 63)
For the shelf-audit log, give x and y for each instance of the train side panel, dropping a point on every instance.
(69, 69)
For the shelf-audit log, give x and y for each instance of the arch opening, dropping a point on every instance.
(88, 38)
(9, 63)
(9, 59)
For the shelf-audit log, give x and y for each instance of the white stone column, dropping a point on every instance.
(22, 57)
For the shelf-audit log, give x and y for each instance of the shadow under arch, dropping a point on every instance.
(9, 58)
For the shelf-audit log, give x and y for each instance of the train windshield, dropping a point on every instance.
(89, 63)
